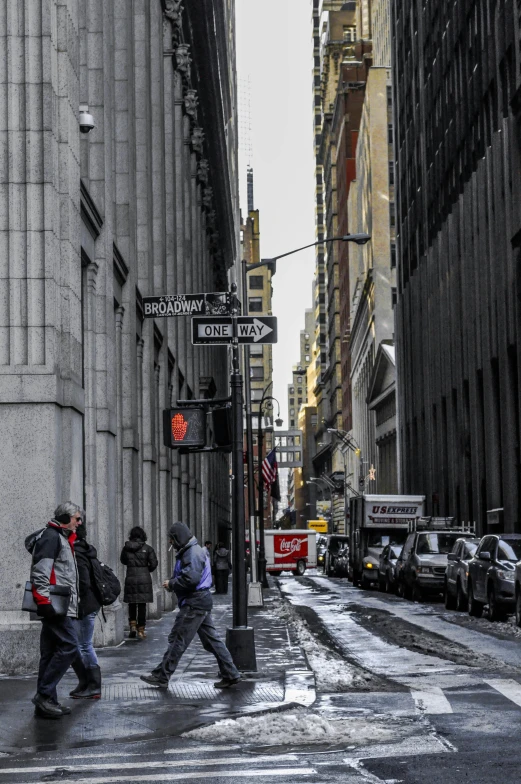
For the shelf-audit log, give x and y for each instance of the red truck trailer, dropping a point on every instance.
(293, 550)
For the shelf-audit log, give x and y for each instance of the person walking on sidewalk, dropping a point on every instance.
(88, 687)
(191, 583)
(54, 563)
(141, 560)
(222, 566)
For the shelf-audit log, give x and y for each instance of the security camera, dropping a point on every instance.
(86, 120)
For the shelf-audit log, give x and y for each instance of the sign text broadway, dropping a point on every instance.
(218, 304)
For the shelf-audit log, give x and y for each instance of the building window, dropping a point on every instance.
(393, 255)
(308, 359)
(256, 282)
(292, 401)
(306, 335)
(292, 423)
(299, 379)
(314, 420)
(390, 133)
(256, 350)
(255, 304)
(299, 391)
(391, 172)
(389, 96)
(299, 401)
(292, 412)
(349, 33)
(256, 394)
(394, 297)
(392, 214)
(257, 373)
(292, 390)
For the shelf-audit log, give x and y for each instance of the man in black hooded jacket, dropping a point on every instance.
(191, 582)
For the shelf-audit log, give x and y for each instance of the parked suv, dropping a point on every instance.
(492, 575)
(423, 561)
(457, 573)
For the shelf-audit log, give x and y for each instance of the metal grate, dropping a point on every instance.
(196, 691)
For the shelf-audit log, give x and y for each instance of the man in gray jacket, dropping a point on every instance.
(54, 563)
(191, 583)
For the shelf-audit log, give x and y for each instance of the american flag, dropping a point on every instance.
(270, 468)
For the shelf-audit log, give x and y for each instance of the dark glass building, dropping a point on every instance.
(457, 91)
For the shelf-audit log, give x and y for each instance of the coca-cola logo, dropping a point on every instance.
(290, 546)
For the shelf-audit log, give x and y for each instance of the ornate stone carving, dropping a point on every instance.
(183, 59)
(211, 218)
(197, 140)
(203, 171)
(173, 10)
(208, 197)
(191, 100)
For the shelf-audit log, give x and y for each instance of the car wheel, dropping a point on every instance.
(365, 583)
(450, 599)
(495, 611)
(301, 568)
(389, 588)
(518, 607)
(461, 599)
(381, 584)
(475, 608)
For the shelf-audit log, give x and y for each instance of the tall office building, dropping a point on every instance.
(144, 204)
(457, 95)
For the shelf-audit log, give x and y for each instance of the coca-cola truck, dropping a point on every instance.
(294, 551)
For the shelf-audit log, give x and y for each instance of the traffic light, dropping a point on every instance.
(184, 427)
(222, 425)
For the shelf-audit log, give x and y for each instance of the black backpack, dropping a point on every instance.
(104, 582)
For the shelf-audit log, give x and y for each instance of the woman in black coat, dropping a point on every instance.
(140, 560)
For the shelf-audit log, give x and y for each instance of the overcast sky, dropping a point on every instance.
(274, 50)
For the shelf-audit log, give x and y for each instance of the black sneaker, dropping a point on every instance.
(225, 683)
(45, 707)
(153, 680)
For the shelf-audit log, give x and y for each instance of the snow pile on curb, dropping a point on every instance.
(332, 672)
(300, 727)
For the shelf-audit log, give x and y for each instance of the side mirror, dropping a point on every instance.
(452, 557)
(485, 555)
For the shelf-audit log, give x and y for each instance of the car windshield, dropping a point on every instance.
(509, 550)
(396, 550)
(434, 544)
(336, 544)
(470, 549)
(382, 539)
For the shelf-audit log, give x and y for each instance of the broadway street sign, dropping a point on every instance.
(250, 329)
(219, 304)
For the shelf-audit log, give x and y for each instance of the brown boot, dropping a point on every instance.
(133, 630)
(141, 635)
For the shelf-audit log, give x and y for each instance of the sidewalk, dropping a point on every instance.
(131, 710)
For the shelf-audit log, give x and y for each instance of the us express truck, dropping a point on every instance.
(376, 521)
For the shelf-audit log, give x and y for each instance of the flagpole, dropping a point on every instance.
(263, 578)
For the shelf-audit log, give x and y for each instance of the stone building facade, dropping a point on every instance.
(146, 203)
(457, 91)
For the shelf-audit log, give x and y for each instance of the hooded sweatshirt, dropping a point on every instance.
(192, 577)
(53, 563)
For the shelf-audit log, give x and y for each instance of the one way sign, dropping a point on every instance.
(220, 329)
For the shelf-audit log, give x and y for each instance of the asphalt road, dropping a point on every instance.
(440, 701)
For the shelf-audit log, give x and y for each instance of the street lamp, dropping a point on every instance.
(262, 548)
(359, 239)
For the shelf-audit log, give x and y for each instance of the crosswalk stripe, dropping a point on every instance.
(158, 764)
(162, 777)
(508, 688)
(431, 700)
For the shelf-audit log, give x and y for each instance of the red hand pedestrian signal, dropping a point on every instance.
(179, 427)
(184, 427)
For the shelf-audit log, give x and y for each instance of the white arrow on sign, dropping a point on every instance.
(257, 330)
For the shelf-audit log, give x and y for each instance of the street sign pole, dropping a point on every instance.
(240, 638)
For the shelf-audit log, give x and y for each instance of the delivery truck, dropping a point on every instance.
(292, 550)
(376, 521)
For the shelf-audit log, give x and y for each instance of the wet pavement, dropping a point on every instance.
(131, 710)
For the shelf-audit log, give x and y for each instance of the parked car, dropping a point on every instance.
(335, 544)
(492, 573)
(342, 562)
(387, 567)
(457, 573)
(321, 551)
(517, 591)
(423, 561)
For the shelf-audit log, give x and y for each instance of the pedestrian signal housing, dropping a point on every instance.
(184, 427)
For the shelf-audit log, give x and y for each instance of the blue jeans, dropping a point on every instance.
(187, 624)
(58, 649)
(85, 627)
